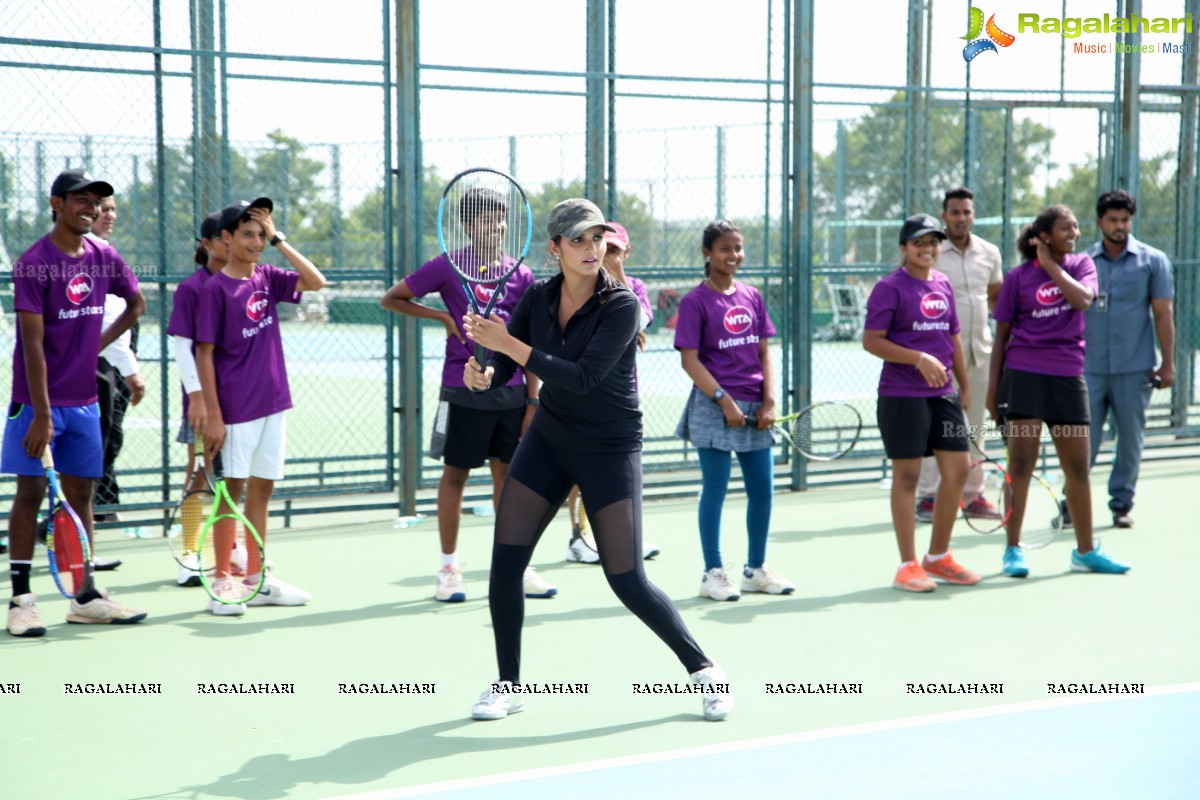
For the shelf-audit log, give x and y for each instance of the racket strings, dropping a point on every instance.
(485, 227)
(827, 430)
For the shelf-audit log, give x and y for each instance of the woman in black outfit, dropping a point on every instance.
(577, 332)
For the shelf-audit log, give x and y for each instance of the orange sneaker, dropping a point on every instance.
(911, 578)
(950, 570)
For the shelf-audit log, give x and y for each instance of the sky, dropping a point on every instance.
(855, 41)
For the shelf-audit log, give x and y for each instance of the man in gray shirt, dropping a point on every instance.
(1135, 291)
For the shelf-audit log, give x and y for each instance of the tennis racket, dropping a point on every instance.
(1042, 517)
(820, 432)
(66, 539)
(484, 226)
(183, 525)
(997, 490)
(221, 527)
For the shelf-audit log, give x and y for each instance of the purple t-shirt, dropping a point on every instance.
(726, 329)
(240, 319)
(69, 293)
(184, 308)
(639, 289)
(1047, 334)
(438, 276)
(916, 314)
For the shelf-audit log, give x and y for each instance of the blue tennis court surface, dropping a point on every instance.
(1135, 747)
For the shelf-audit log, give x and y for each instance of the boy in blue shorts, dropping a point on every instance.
(59, 286)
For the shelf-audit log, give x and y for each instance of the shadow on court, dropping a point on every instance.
(276, 775)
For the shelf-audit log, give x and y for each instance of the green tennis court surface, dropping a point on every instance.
(372, 621)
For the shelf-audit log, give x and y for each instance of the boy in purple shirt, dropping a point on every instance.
(239, 355)
(471, 428)
(722, 337)
(1037, 372)
(59, 286)
(912, 324)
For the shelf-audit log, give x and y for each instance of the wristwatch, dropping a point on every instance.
(279, 236)
(533, 401)
(718, 395)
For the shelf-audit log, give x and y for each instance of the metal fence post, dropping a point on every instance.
(800, 238)
(596, 95)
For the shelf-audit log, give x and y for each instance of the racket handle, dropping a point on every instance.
(751, 420)
(481, 360)
(47, 458)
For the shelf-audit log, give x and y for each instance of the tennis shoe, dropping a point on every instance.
(582, 549)
(949, 570)
(536, 585)
(450, 587)
(497, 702)
(925, 509)
(23, 617)
(982, 508)
(911, 578)
(715, 585)
(766, 580)
(189, 571)
(1121, 518)
(1066, 514)
(1014, 562)
(103, 611)
(718, 701)
(275, 592)
(105, 564)
(1097, 561)
(649, 551)
(231, 592)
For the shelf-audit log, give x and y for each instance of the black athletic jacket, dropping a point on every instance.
(587, 398)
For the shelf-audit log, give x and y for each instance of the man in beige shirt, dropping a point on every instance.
(973, 267)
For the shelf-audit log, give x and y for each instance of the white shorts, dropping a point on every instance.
(255, 449)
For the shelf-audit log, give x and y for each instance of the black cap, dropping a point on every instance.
(231, 215)
(918, 225)
(79, 180)
(210, 228)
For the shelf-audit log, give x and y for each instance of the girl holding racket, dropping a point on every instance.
(913, 326)
(1037, 372)
(578, 332)
(722, 336)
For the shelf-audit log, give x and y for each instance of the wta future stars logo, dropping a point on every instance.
(976, 44)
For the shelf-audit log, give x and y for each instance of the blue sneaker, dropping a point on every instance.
(1014, 562)
(1097, 561)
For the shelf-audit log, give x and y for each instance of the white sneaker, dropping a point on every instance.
(275, 592)
(450, 587)
(536, 585)
(231, 592)
(497, 702)
(649, 551)
(582, 549)
(766, 580)
(23, 618)
(103, 611)
(716, 586)
(189, 571)
(718, 701)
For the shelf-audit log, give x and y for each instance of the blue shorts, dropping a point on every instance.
(77, 447)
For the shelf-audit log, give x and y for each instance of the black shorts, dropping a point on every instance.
(913, 427)
(1056, 399)
(473, 436)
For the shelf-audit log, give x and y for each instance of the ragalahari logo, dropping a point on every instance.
(738, 320)
(1048, 294)
(977, 45)
(79, 288)
(256, 306)
(934, 305)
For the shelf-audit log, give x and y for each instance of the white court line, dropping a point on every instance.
(769, 741)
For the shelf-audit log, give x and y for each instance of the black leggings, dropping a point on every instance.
(539, 479)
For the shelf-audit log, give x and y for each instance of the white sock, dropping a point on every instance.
(449, 560)
(934, 559)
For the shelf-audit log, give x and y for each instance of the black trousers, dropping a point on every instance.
(113, 401)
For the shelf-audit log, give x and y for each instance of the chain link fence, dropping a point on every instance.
(187, 106)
